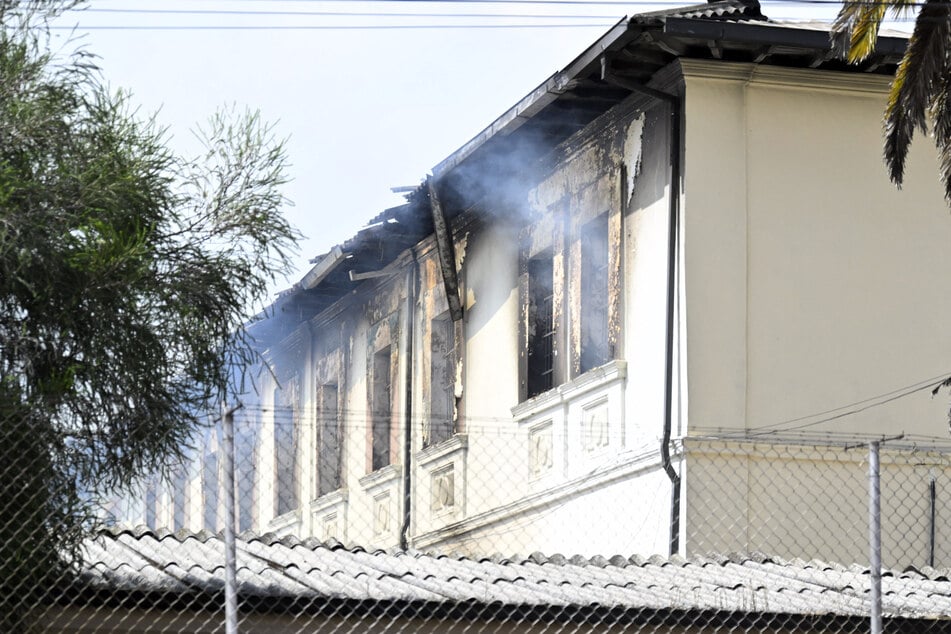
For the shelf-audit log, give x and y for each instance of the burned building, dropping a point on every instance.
(574, 333)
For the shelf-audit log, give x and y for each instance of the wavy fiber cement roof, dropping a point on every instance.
(182, 564)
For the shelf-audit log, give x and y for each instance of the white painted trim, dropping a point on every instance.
(329, 501)
(624, 468)
(447, 448)
(285, 522)
(591, 380)
(381, 477)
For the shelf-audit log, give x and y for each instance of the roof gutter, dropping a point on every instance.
(673, 229)
(776, 35)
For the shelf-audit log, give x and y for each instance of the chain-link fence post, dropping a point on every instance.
(231, 590)
(875, 536)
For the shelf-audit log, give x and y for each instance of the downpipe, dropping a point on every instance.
(406, 336)
(674, 104)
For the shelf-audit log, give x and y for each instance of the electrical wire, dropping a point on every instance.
(449, 15)
(361, 419)
(373, 14)
(318, 27)
(675, 3)
(900, 392)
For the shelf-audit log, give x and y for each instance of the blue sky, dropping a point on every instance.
(364, 109)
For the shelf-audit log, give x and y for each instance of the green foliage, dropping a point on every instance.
(127, 275)
(921, 90)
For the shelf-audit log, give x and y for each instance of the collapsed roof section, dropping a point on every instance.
(634, 50)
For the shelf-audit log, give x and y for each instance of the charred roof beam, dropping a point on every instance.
(321, 269)
(447, 252)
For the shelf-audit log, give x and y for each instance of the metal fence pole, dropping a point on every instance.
(875, 536)
(231, 589)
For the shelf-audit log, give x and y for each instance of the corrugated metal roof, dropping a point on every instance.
(734, 10)
(179, 565)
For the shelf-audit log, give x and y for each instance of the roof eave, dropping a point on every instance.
(546, 93)
(759, 33)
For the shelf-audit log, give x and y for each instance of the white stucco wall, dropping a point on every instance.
(815, 291)
(811, 281)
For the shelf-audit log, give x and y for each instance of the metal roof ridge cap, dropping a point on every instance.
(709, 5)
(547, 90)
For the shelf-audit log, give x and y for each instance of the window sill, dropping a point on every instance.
(591, 380)
(381, 477)
(441, 450)
(329, 501)
(286, 522)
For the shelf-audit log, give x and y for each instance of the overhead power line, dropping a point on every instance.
(315, 27)
(849, 409)
(369, 14)
(915, 3)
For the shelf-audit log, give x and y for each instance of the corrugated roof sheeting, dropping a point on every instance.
(182, 564)
(735, 10)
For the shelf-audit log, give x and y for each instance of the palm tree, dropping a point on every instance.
(921, 89)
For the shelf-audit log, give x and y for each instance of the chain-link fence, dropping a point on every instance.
(771, 535)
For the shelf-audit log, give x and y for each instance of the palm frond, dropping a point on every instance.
(865, 32)
(916, 83)
(902, 8)
(844, 23)
(855, 29)
(941, 115)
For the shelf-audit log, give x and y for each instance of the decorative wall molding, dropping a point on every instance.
(592, 380)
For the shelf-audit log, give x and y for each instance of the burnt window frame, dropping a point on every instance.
(383, 338)
(542, 330)
(381, 407)
(330, 477)
(443, 423)
(558, 233)
(595, 288)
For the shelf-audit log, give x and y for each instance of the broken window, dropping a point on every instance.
(541, 325)
(286, 423)
(594, 294)
(329, 442)
(380, 408)
(442, 379)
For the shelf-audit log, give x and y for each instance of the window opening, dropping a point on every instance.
(179, 497)
(329, 461)
(246, 439)
(380, 409)
(210, 491)
(286, 422)
(151, 501)
(442, 379)
(541, 325)
(594, 294)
